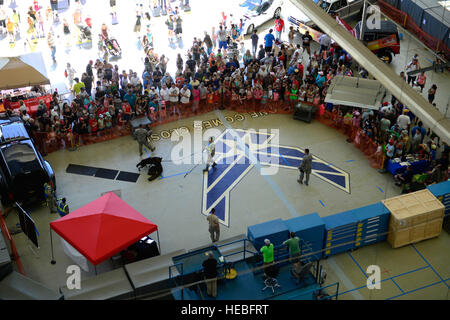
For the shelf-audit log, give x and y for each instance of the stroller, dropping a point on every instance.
(232, 49)
(85, 34)
(112, 47)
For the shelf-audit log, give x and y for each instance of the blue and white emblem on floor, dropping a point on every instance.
(238, 151)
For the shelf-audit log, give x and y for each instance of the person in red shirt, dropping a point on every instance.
(119, 118)
(93, 124)
(88, 22)
(126, 115)
(279, 27)
(300, 69)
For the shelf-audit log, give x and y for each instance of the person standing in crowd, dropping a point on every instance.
(52, 46)
(31, 30)
(87, 80)
(268, 41)
(325, 42)
(170, 27)
(291, 35)
(421, 129)
(432, 93)
(54, 7)
(50, 197)
(421, 81)
(77, 86)
(214, 37)
(210, 273)
(214, 226)
(10, 31)
(413, 65)
(208, 42)
(178, 27)
(416, 140)
(142, 135)
(40, 24)
(174, 94)
(279, 27)
(255, 39)
(222, 37)
(403, 120)
(112, 5)
(306, 38)
(305, 167)
(294, 249)
(62, 207)
(138, 23)
(267, 252)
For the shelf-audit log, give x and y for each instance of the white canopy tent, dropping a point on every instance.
(24, 71)
(356, 92)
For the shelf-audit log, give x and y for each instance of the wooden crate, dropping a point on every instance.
(417, 233)
(402, 237)
(433, 228)
(414, 217)
(398, 238)
(414, 208)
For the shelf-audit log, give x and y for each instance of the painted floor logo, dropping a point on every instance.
(234, 151)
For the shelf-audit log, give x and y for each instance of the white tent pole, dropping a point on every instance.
(51, 243)
(159, 245)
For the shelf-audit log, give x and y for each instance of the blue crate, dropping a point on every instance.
(442, 192)
(276, 231)
(310, 228)
(354, 226)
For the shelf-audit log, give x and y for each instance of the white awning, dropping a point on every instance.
(24, 71)
(356, 92)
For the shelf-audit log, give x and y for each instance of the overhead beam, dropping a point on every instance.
(429, 115)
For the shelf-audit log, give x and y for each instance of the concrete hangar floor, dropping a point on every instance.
(344, 180)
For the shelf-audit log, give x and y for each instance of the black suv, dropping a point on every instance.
(23, 170)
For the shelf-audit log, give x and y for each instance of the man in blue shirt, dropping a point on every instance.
(131, 98)
(320, 80)
(423, 132)
(147, 79)
(268, 41)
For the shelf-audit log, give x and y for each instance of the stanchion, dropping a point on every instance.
(72, 147)
(51, 245)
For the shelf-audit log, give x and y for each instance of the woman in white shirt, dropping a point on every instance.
(164, 92)
(173, 98)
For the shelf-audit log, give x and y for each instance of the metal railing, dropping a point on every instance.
(181, 273)
(244, 251)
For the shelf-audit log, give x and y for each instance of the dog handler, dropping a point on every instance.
(142, 138)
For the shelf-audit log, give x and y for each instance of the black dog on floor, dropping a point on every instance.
(155, 167)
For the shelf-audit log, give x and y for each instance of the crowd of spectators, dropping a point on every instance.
(218, 67)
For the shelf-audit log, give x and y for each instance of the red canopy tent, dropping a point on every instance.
(103, 228)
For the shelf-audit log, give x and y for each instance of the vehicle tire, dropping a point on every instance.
(250, 28)
(385, 56)
(277, 12)
(6, 202)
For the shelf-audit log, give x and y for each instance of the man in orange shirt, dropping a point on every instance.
(10, 28)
